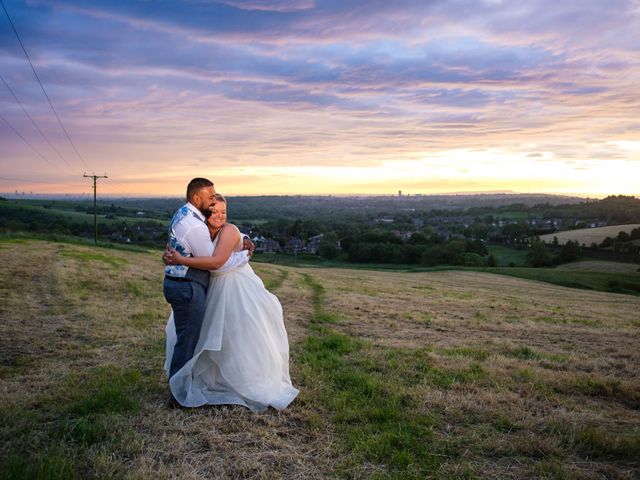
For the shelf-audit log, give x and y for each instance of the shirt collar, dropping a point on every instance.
(196, 211)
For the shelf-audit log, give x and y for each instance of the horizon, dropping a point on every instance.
(303, 97)
(104, 197)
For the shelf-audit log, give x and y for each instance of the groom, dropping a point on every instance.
(185, 288)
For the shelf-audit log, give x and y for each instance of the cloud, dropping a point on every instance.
(325, 82)
(271, 5)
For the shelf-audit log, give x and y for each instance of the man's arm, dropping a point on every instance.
(226, 243)
(194, 234)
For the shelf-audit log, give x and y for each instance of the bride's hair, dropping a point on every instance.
(220, 198)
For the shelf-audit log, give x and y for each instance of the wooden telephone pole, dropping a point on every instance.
(95, 208)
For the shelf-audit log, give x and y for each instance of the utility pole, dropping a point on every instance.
(95, 208)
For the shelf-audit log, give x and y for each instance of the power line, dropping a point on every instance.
(34, 123)
(27, 142)
(42, 87)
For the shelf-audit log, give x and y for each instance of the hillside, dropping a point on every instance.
(587, 236)
(448, 374)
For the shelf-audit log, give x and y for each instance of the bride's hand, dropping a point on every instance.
(174, 257)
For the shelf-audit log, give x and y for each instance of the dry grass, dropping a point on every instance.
(517, 379)
(587, 236)
(67, 310)
(553, 363)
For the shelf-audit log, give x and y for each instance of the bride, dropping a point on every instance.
(242, 356)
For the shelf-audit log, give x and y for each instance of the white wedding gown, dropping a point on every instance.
(242, 356)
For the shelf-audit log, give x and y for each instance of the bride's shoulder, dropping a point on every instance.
(229, 230)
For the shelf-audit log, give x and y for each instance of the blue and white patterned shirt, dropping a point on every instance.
(189, 235)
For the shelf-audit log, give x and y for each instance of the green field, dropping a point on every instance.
(66, 211)
(628, 283)
(506, 256)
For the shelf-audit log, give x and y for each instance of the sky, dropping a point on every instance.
(321, 96)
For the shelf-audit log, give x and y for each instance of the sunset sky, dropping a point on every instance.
(322, 97)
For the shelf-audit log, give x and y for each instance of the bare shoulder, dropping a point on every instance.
(229, 233)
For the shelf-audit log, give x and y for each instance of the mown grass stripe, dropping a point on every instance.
(375, 414)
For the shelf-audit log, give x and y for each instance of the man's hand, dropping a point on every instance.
(247, 244)
(166, 256)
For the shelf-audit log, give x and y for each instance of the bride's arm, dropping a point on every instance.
(229, 238)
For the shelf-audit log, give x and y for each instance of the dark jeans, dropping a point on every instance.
(187, 300)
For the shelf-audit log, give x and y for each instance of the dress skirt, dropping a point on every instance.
(242, 356)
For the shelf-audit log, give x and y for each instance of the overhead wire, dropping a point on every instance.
(27, 142)
(36, 125)
(42, 87)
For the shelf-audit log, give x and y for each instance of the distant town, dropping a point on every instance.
(417, 229)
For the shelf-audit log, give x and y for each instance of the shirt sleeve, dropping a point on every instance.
(200, 241)
(194, 234)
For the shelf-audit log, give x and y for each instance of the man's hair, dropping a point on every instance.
(196, 184)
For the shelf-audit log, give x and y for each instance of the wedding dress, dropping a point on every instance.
(242, 356)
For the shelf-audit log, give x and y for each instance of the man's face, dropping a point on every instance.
(206, 198)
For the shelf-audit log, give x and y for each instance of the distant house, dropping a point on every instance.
(265, 245)
(294, 245)
(403, 234)
(313, 246)
(447, 234)
(118, 237)
(552, 223)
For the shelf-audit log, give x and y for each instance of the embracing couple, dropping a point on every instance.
(226, 340)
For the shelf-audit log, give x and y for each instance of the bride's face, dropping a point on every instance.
(218, 215)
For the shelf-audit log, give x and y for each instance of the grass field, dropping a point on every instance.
(587, 236)
(604, 281)
(612, 277)
(600, 266)
(78, 217)
(439, 374)
(506, 256)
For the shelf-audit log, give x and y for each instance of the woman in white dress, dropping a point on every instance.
(242, 356)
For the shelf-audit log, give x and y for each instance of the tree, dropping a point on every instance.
(570, 252)
(515, 232)
(538, 254)
(470, 259)
(328, 247)
(476, 246)
(418, 238)
(479, 230)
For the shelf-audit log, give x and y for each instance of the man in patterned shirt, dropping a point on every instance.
(185, 288)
